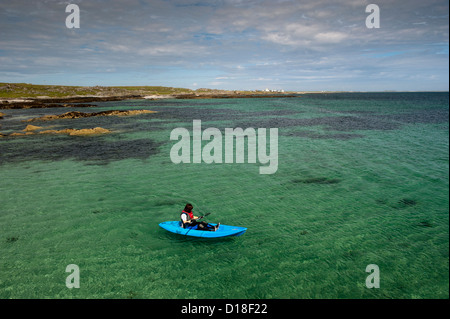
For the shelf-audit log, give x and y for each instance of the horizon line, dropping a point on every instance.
(231, 90)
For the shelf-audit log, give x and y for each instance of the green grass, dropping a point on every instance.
(25, 90)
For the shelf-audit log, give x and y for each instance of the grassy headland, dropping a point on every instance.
(24, 95)
(25, 90)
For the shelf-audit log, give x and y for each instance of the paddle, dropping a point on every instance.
(207, 214)
(198, 219)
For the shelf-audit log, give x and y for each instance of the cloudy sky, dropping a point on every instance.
(302, 45)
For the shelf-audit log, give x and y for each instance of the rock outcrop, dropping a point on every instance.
(76, 115)
(81, 132)
(32, 130)
(20, 134)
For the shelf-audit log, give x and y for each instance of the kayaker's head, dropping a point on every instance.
(188, 208)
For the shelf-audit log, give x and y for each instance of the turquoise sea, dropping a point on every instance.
(363, 178)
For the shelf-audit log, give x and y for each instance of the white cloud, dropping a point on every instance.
(330, 37)
(227, 42)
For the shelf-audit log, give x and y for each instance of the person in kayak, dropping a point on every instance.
(189, 220)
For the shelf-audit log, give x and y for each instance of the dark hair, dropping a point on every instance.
(188, 207)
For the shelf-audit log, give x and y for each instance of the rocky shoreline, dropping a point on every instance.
(84, 101)
(28, 96)
(32, 103)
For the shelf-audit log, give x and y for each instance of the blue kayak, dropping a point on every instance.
(223, 231)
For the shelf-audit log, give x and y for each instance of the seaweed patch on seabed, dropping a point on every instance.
(330, 123)
(333, 136)
(12, 239)
(424, 223)
(426, 116)
(405, 203)
(188, 114)
(98, 151)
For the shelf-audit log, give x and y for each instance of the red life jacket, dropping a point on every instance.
(190, 214)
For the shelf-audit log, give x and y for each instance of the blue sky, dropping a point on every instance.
(310, 45)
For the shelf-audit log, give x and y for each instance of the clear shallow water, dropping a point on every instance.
(362, 179)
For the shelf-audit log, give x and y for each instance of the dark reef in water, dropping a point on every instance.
(407, 202)
(12, 239)
(346, 123)
(334, 136)
(98, 151)
(400, 204)
(424, 223)
(330, 123)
